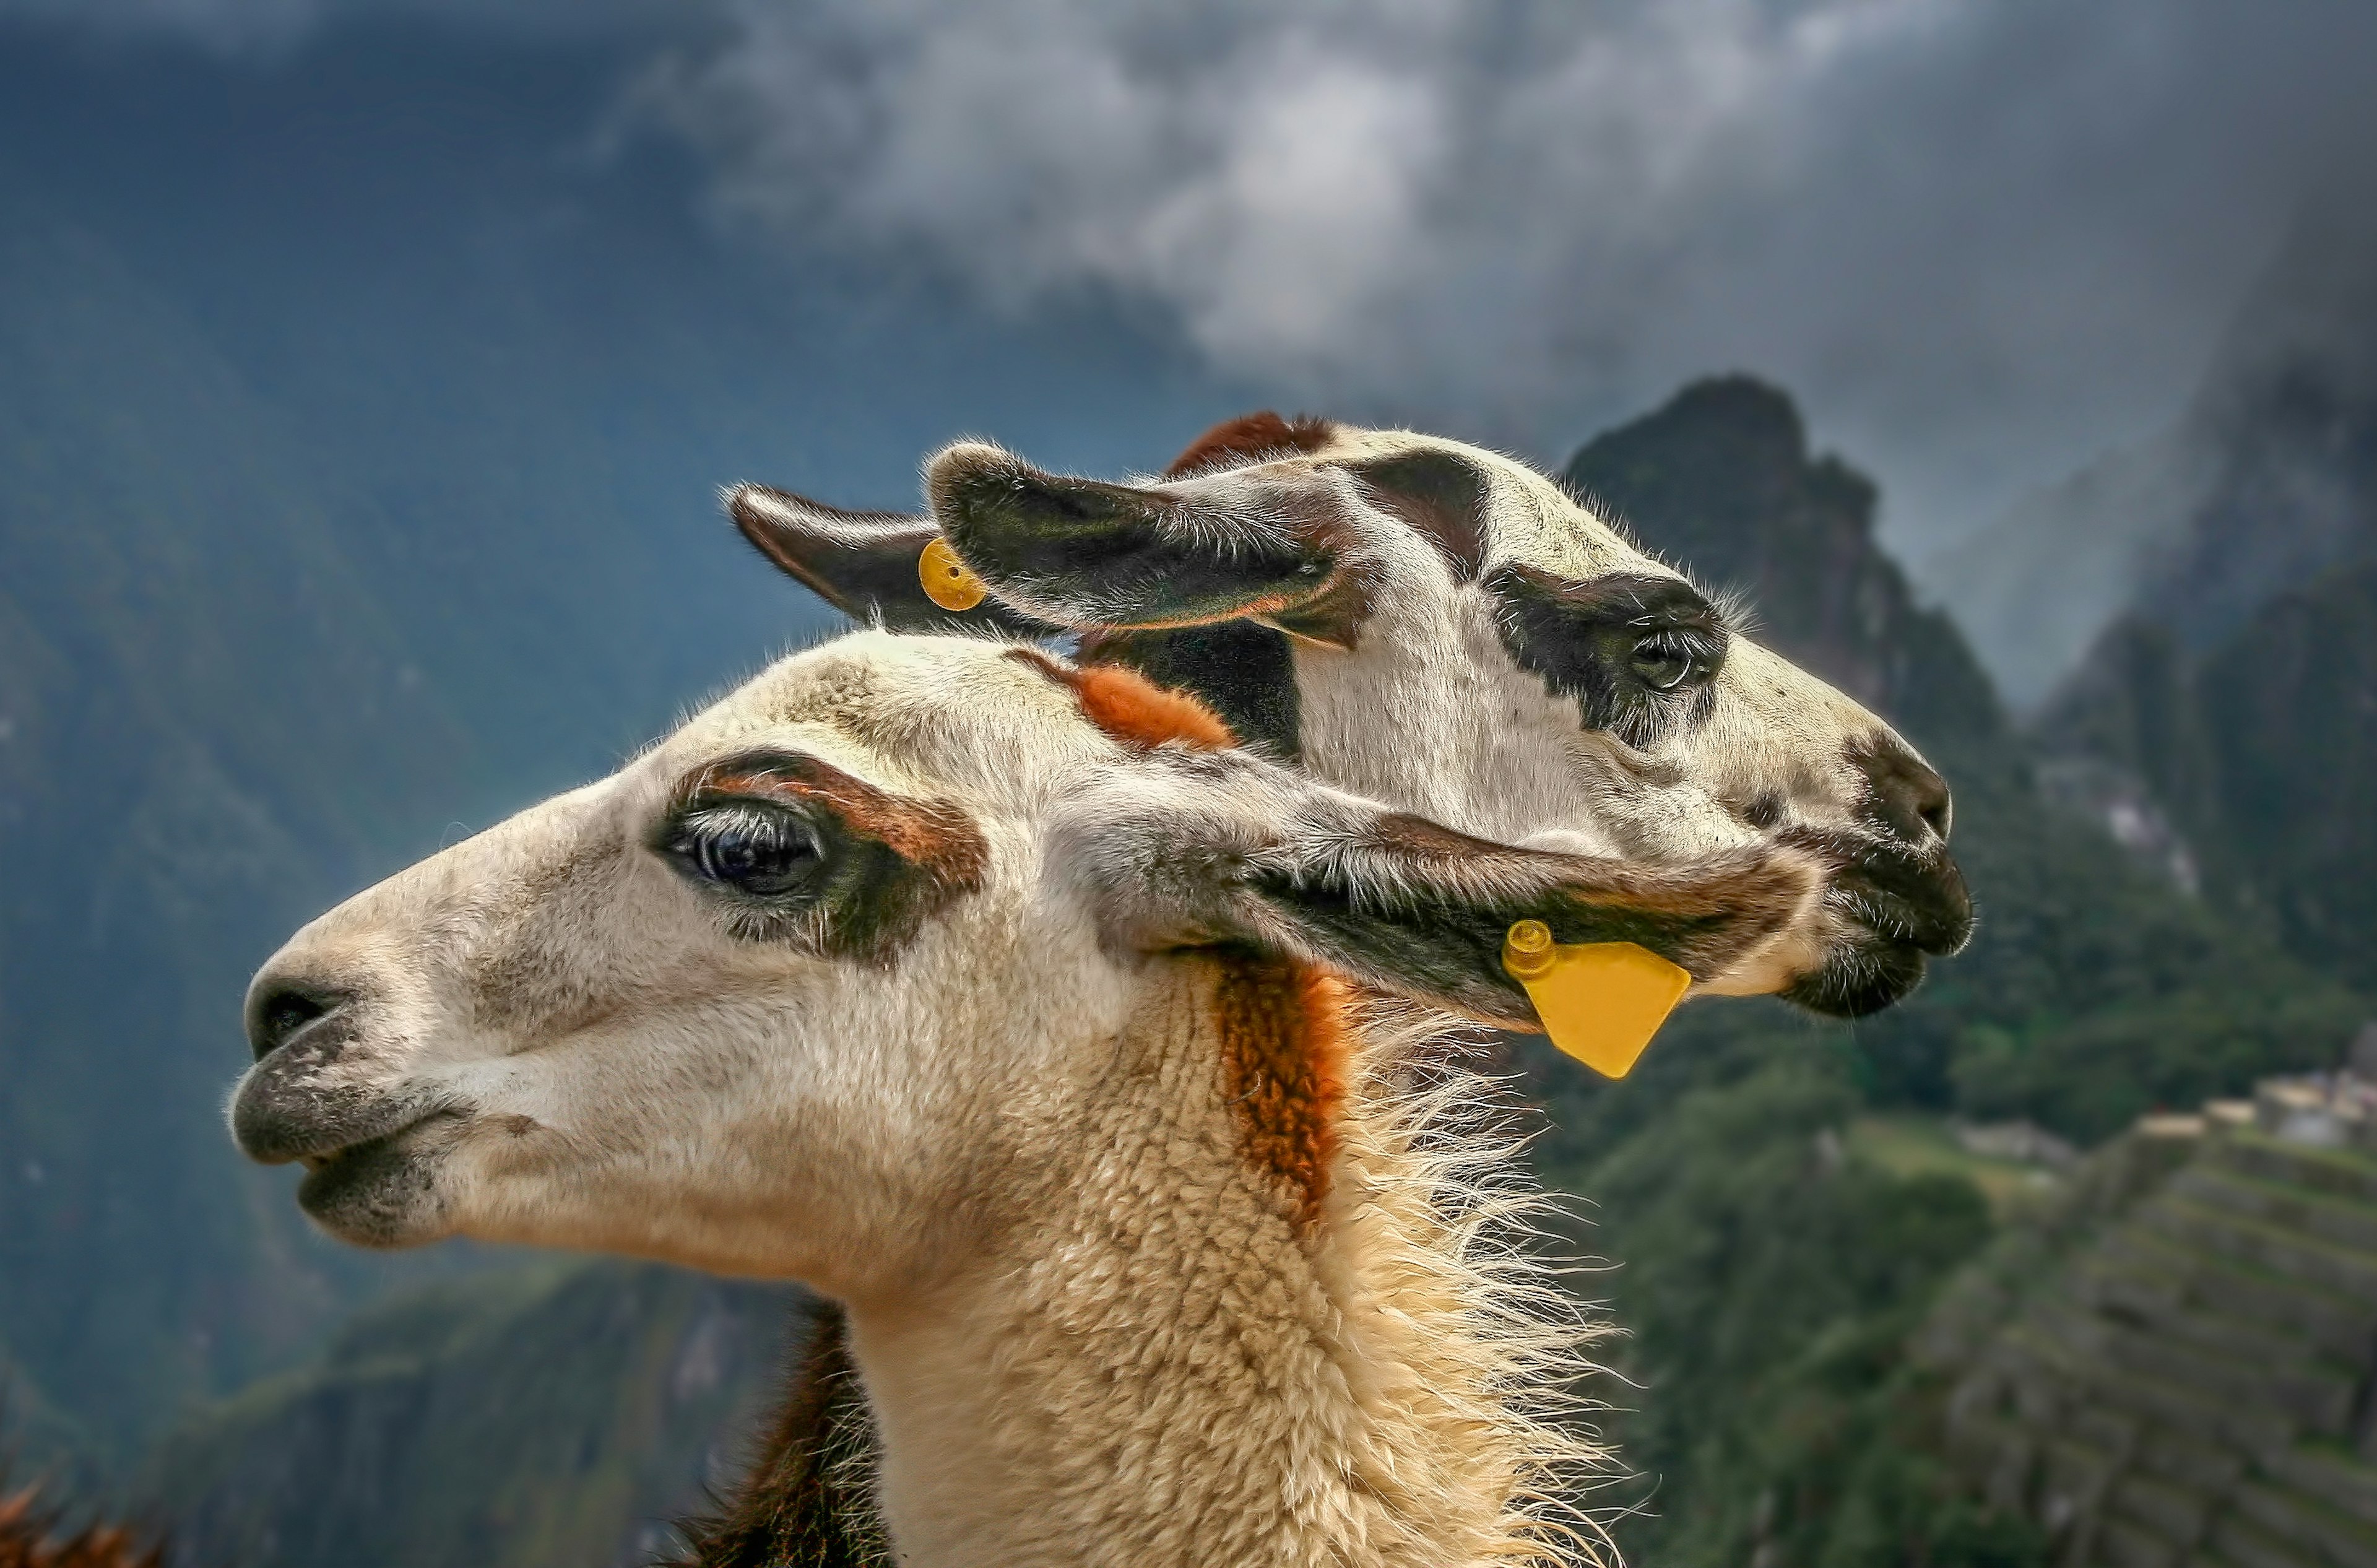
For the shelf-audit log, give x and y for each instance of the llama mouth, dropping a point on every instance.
(1860, 978)
(375, 1193)
(1896, 909)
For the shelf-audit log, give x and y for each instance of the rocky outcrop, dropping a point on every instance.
(1720, 479)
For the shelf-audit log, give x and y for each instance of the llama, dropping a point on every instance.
(1003, 1002)
(1444, 630)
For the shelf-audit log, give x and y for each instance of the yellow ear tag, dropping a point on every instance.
(1600, 1002)
(949, 582)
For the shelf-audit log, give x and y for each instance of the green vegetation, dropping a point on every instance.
(1909, 1145)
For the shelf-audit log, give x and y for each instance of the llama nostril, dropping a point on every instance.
(279, 1013)
(1907, 796)
(1937, 811)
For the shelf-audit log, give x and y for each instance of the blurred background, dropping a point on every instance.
(367, 368)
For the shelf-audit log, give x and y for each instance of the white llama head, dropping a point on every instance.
(1441, 628)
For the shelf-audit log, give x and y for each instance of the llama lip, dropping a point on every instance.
(281, 1117)
(328, 1158)
(1896, 895)
(1858, 978)
(373, 1194)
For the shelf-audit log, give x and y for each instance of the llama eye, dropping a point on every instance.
(754, 849)
(1666, 659)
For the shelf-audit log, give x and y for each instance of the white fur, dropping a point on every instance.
(1429, 713)
(1093, 1331)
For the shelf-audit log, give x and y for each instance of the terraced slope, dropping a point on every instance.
(2194, 1386)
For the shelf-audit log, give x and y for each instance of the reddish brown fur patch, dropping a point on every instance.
(1133, 708)
(1286, 1040)
(30, 1539)
(1252, 436)
(894, 862)
(938, 840)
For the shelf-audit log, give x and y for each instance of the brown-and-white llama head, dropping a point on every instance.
(797, 968)
(1006, 1001)
(1444, 630)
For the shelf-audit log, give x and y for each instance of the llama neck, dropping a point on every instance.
(1181, 1351)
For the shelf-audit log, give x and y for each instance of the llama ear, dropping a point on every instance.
(863, 564)
(1233, 849)
(1087, 555)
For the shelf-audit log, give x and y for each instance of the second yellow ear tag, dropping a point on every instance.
(1600, 1002)
(949, 582)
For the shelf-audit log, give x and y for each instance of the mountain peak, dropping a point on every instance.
(1720, 478)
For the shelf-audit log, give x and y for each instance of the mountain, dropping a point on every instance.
(361, 419)
(2035, 588)
(169, 799)
(563, 1412)
(2290, 703)
(2267, 480)
(2253, 757)
(2225, 722)
(2290, 411)
(1720, 480)
(2061, 1009)
(1775, 1247)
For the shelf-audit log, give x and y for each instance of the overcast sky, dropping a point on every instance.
(1982, 239)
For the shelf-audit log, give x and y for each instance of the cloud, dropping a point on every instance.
(1983, 237)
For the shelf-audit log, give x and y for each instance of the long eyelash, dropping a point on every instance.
(809, 926)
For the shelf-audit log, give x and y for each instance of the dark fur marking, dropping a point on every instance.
(1249, 439)
(1903, 797)
(1441, 495)
(1244, 672)
(1423, 908)
(1765, 810)
(1579, 636)
(889, 863)
(799, 1506)
(863, 564)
